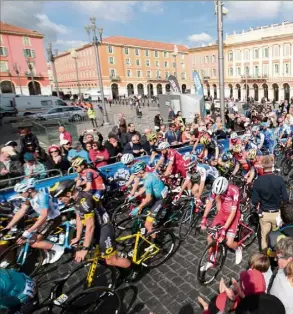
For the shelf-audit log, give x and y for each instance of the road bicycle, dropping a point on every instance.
(216, 252)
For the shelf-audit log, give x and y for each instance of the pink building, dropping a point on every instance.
(23, 66)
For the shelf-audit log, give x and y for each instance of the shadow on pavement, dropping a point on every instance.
(186, 309)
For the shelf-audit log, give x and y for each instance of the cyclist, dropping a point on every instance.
(16, 291)
(226, 163)
(210, 146)
(155, 192)
(91, 215)
(256, 168)
(269, 142)
(49, 219)
(248, 143)
(227, 197)
(174, 160)
(89, 179)
(257, 137)
(240, 160)
(234, 140)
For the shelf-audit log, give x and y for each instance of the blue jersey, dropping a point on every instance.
(249, 146)
(15, 288)
(154, 186)
(207, 171)
(42, 201)
(268, 138)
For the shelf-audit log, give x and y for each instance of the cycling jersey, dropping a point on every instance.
(259, 139)
(284, 129)
(268, 139)
(175, 159)
(15, 288)
(236, 142)
(154, 186)
(250, 146)
(90, 175)
(43, 200)
(229, 199)
(257, 167)
(241, 159)
(207, 172)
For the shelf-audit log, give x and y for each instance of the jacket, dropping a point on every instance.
(91, 113)
(126, 137)
(172, 136)
(15, 170)
(113, 150)
(29, 138)
(95, 153)
(63, 165)
(129, 148)
(66, 136)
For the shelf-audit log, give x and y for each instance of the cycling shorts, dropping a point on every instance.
(107, 241)
(49, 226)
(154, 210)
(221, 218)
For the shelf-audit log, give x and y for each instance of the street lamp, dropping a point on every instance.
(30, 67)
(51, 58)
(96, 42)
(175, 53)
(17, 71)
(74, 56)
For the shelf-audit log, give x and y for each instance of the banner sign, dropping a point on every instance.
(197, 84)
(174, 84)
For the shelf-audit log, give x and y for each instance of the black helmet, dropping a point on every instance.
(62, 187)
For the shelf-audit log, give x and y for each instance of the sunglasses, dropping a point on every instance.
(53, 151)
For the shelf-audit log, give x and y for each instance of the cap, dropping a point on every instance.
(11, 143)
(28, 157)
(8, 150)
(252, 281)
(29, 144)
(221, 302)
(76, 144)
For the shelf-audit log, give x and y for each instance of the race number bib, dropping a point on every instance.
(30, 287)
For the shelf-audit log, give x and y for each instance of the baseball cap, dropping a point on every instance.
(28, 157)
(11, 143)
(76, 144)
(252, 281)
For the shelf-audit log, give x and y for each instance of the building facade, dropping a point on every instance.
(23, 66)
(129, 66)
(258, 63)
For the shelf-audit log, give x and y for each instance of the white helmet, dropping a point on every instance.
(25, 185)
(234, 136)
(163, 145)
(127, 159)
(220, 185)
(255, 128)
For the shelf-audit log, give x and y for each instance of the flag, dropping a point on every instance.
(174, 84)
(197, 84)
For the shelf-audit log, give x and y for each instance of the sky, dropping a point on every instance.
(191, 23)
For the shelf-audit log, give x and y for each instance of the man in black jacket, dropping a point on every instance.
(113, 147)
(268, 192)
(26, 136)
(134, 147)
(126, 137)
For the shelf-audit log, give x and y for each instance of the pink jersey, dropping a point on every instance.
(229, 199)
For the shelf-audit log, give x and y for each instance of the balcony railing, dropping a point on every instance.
(115, 78)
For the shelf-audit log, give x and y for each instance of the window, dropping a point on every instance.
(137, 62)
(110, 49)
(213, 58)
(256, 71)
(206, 59)
(265, 52)
(127, 61)
(183, 76)
(149, 74)
(238, 55)
(128, 73)
(138, 73)
(287, 50)
(46, 103)
(246, 54)
(230, 72)
(230, 56)
(136, 51)
(157, 63)
(276, 51)
(29, 53)
(174, 64)
(156, 54)
(166, 64)
(166, 55)
(256, 53)
(166, 75)
(286, 69)
(265, 70)
(26, 41)
(158, 74)
(214, 72)
(148, 63)
(147, 53)
(182, 56)
(112, 73)
(246, 71)
(111, 60)
(3, 51)
(126, 50)
(276, 68)
(238, 71)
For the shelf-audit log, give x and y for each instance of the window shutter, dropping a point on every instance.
(33, 53)
(24, 52)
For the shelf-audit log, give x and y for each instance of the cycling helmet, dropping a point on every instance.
(127, 159)
(255, 128)
(152, 137)
(220, 185)
(53, 147)
(265, 124)
(138, 167)
(25, 185)
(234, 136)
(205, 139)
(189, 165)
(61, 188)
(237, 149)
(78, 161)
(225, 157)
(252, 154)
(189, 157)
(246, 137)
(163, 145)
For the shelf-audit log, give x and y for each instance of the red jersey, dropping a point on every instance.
(229, 199)
(90, 175)
(176, 160)
(243, 161)
(258, 167)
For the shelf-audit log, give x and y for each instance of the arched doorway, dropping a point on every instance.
(150, 90)
(7, 87)
(230, 91)
(286, 91)
(140, 89)
(238, 87)
(276, 91)
(215, 91)
(159, 89)
(34, 89)
(130, 89)
(208, 90)
(183, 87)
(255, 87)
(246, 88)
(115, 91)
(168, 88)
(265, 91)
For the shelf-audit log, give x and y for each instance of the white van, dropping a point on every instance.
(27, 105)
(95, 95)
(7, 104)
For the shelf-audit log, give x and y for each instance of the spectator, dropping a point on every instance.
(88, 146)
(64, 135)
(158, 121)
(171, 115)
(65, 147)
(186, 136)
(163, 129)
(13, 144)
(99, 155)
(173, 136)
(121, 123)
(92, 116)
(267, 193)
(113, 147)
(32, 167)
(282, 286)
(134, 147)
(126, 137)
(9, 168)
(27, 137)
(78, 151)
(220, 133)
(261, 262)
(56, 160)
(89, 138)
(39, 155)
(144, 140)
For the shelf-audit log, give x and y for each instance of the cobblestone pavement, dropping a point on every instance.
(172, 288)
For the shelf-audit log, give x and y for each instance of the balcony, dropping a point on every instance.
(115, 78)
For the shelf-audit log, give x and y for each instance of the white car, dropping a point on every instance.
(68, 113)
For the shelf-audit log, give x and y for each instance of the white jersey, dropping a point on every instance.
(207, 171)
(42, 201)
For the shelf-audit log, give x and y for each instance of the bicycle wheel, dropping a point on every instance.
(211, 262)
(120, 213)
(100, 300)
(188, 221)
(33, 260)
(249, 228)
(164, 241)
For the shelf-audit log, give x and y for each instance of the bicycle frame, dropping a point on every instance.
(94, 264)
(251, 231)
